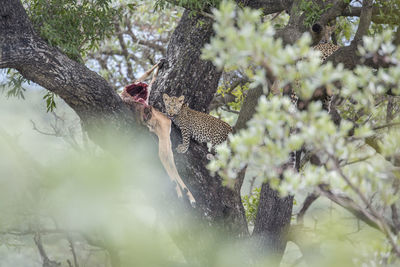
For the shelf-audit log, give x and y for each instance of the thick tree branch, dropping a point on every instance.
(185, 73)
(307, 203)
(267, 6)
(46, 261)
(377, 12)
(273, 221)
(365, 21)
(83, 90)
(335, 11)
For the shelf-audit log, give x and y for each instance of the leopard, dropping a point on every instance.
(325, 46)
(194, 124)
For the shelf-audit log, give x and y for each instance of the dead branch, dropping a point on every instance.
(307, 203)
(72, 248)
(46, 261)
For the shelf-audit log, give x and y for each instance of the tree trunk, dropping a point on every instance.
(187, 74)
(272, 222)
(87, 93)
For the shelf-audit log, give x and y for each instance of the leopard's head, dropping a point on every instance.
(173, 104)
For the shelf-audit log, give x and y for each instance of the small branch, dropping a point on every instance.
(276, 15)
(350, 205)
(270, 75)
(379, 219)
(43, 132)
(397, 37)
(230, 110)
(395, 217)
(390, 105)
(124, 51)
(307, 203)
(72, 248)
(151, 44)
(355, 161)
(252, 181)
(386, 126)
(46, 261)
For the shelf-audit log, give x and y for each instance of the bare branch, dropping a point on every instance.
(336, 10)
(395, 217)
(349, 205)
(46, 261)
(151, 44)
(307, 203)
(389, 125)
(72, 248)
(380, 221)
(124, 51)
(352, 11)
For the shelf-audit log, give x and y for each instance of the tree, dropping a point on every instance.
(196, 73)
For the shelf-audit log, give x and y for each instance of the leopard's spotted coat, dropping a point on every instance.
(200, 126)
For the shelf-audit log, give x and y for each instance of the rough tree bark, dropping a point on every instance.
(86, 92)
(187, 74)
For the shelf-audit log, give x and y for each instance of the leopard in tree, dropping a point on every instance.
(325, 46)
(200, 126)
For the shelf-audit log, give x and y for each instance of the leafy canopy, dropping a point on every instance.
(75, 27)
(348, 162)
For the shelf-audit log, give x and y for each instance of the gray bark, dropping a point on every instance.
(187, 74)
(83, 90)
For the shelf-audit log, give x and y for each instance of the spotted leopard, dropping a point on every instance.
(327, 48)
(200, 126)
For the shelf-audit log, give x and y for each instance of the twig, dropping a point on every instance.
(380, 221)
(71, 246)
(386, 126)
(395, 216)
(230, 110)
(43, 132)
(355, 161)
(46, 261)
(276, 15)
(252, 181)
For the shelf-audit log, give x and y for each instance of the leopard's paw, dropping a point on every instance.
(181, 148)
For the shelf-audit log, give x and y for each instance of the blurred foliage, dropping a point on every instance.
(104, 205)
(349, 166)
